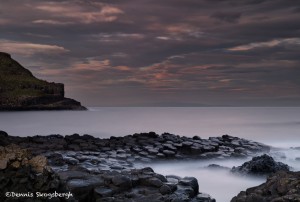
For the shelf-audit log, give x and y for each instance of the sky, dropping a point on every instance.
(160, 52)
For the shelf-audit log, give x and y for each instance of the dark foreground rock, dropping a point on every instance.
(137, 185)
(22, 173)
(95, 169)
(20, 90)
(24, 177)
(261, 165)
(280, 187)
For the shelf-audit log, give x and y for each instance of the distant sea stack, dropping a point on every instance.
(20, 90)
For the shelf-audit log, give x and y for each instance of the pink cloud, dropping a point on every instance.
(82, 13)
(28, 49)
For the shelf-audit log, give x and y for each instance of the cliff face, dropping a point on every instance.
(20, 90)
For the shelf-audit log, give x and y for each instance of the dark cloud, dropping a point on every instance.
(227, 16)
(150, 53)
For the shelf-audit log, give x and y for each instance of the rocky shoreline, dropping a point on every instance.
(95, 169)
(143, 146)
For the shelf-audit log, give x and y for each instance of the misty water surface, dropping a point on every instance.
(268, 125)
(221, 184)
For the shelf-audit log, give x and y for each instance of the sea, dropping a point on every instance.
(276, 126)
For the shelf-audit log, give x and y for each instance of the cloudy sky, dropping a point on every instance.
(160, 52)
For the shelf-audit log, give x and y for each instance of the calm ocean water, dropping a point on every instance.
(268, 125)
(274, 126)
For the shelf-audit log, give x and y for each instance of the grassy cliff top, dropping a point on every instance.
(16, 81)
(20, 90)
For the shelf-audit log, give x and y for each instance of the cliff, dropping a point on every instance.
(20, 90)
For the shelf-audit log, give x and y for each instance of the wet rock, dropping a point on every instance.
(169, 147)
(204, 198)
(173, 179)
(71, 161)
(260, 165)
(217, 167)
(165, 189)
(122, 181)
(155, 182)
(83, 188)
(281, 186)
(68, 175)
(185, 192)
(191, 182)
(168, 153)
(56, 159)
(102, 192)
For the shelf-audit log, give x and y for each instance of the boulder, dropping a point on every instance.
(165, 189)
(122, 181)
(217, 167)
(168, 153)
(260, 165)
(38, 163)
(3, 164)
(191, 182)
(103, 192)
(202, 197)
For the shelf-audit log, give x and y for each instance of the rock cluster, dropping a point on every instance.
(89, 175)
(281, 186)
(16, 157)
(135, 185)
(22, 173)
(260, 165)
(145, 147)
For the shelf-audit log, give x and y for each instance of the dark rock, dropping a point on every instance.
(24, 174)
(103, 192)
(173, 179)
(122, 181)
(70, 174)
(155, 182)
(260, 165)
(71, 161)
(186, 192)
(169, 153)
(172, 186)
(3, 134)
(56, 159)
(169, 147)
(191, 182)
(165, 189)
(217, 167)
(204, 198)
(281, 186)
(83, 188)
(196, 138)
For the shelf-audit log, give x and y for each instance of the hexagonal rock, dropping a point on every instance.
(169, 153)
